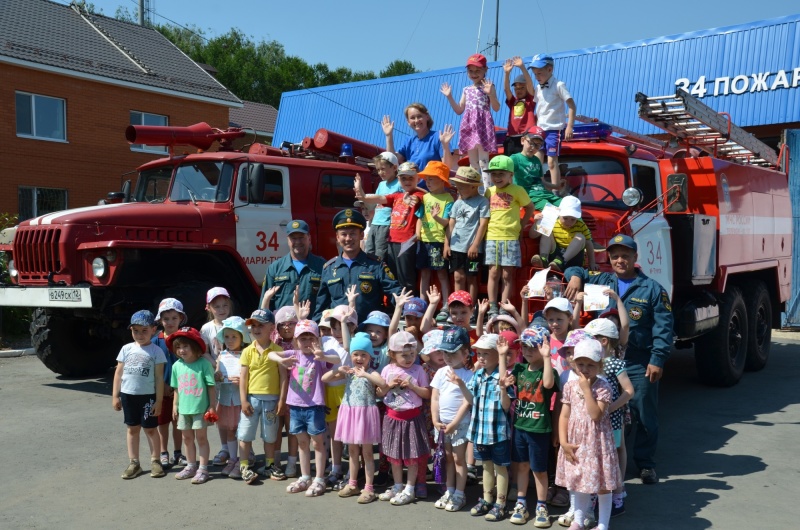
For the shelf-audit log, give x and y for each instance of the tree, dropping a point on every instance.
(398, 67)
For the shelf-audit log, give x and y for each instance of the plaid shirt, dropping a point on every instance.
(489, 424)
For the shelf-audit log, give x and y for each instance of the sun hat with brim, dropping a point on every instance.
(215, 292)
(388, 157)
(519, 80)
(437, 169)
(401, 339)
(377, 318)
(540, 61)
(339, 313)
(415, 307)
(187, 333)
(602, 327)
(361, 342)
(431, 341)
(407, 168)
(503, 318)
(511, 339)
(325, 320)
(262, 316)
(171, 304)
(574, 337)
(467, 175)
(459, 297)
(487, 341)
(236, 324)
(588, 349)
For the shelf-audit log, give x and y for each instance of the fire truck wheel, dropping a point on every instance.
(720, 355)
(759, 317)
(67, 345)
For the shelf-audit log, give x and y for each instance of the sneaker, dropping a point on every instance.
(334, 478)
(520, 514)
(497, 513)
(180, 459)
(248, 475)
(472, 473)
(402, 498)
(557, 265)
(222, 458)
(566, 519)
(274, 472)
(381, 479)
(291, 470)
(156, 471)
(349, 491)
(443, 315)
(482, 508)
(367, 496)
(188, 472)
(201, 477)
(232, 465)
(390, 494)
(421, 491)
(166, 462)
(443, 500)
(538, 262)
(132, 471)
(542, 519)
(618, 507)
(648, 475)
(455, 503)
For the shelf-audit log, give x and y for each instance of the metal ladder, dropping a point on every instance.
(640, 138)
(695, 124)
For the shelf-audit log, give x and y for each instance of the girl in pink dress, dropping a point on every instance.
(587, 461)
(476, 133)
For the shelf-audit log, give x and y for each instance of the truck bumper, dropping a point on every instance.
(75, 297)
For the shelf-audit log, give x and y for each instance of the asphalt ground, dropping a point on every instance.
(727, 459)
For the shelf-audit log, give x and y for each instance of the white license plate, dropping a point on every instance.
(64, 295)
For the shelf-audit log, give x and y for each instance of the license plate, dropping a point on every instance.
(64, 295)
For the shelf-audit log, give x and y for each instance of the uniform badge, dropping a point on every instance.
(348, 213)
(617, 239)
(295, 225)
(635, 313)
(665, 301)
(388, 272)
(366, 287)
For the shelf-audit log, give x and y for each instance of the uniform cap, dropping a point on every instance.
(533, 336)
(263, 316)
(400, 340)
(306, 326)
(215, 292)
(236, 324)
(437, 169)
(588, 349)
(415, 307)
(349, 217)
(501, 163)
(623, 240)
(362, 342)
(559, 304)
(431, 341)
(142, 318)
(379, 318)
(285, 314)
(467, 175)
(453, 339)
(487, 341)
(541, 60)
(297, 225)
(477, 59)
(171, 304)
(187, 333)
(461, 297)
(602, 327)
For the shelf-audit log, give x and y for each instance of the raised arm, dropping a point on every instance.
(447, 90)
(388, 130)
(507, 67)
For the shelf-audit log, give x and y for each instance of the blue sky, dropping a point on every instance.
(433, 34)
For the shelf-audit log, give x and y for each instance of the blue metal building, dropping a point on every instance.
(751, 71)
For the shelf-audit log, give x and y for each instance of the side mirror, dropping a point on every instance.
(256, 183)
(677, 193)
(632, 197)
(126, 191)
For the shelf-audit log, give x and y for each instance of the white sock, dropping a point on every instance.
(582, 503)
(604, 510)
(409, 489)
(233, 449)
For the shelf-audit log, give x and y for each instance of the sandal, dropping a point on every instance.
(222, 458)
(201, 477)
(316, 489)
(297, 486)
(367, 496)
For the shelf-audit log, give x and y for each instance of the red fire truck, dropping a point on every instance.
(712, 221)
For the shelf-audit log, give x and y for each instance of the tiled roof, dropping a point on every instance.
(56, 35)
(258, 116)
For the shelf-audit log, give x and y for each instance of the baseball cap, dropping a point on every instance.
(142, 318)
(362, 342)
(453, 339)
(306, 326)
(623, 241)
(501, 163)
(400, 340)
(467, 175)
(487, 341)
(533, 336)
(574, 337)
(519, 80)
(538, 320)
(171, 304)
(188, 333)
(511, 339)
(559, 304)
(285, 314)
(339, 313)
(602, 327)
(477, 59)
(263, 316)
(437, 169)
(325, 320)
(379, 318)
(570, 207)
(407, 168)
(297, 225)
(236, 324)
(431, 341)
(535, 132)
(541, 60)
(415, 307)
(502, 318)
(460, 297)
(215, 292)
(388, 157)
(589, 349)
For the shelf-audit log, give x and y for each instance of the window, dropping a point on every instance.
(145, 118)
(595, 180)
(644, 178)
(337, 191)
(202, 181)
(34, 202)
(273, 186)
(41, 117)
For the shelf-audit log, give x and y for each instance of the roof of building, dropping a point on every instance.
(742, 63)
(65, 39)
(258, 116)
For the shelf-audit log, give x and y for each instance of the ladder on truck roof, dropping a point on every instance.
(696, 124)
(634, 136)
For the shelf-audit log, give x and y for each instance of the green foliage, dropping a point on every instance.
(399, 67)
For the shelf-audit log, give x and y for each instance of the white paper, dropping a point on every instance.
(408, 244)
(537, 282)
(594, 299)
(548, 221)
(229, 366)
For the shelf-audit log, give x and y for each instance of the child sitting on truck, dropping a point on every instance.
(565, 246)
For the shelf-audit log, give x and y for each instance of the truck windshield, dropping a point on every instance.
(595, 180)
(203, 181)
(153, 184)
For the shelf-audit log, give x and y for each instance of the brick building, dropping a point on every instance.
(71, 82)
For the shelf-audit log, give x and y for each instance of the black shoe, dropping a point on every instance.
(648, 475)
(381, 479)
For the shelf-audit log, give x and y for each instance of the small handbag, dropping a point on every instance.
(440, 460)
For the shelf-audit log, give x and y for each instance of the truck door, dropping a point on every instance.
(650, 229)
(261, 221)
(335, 194)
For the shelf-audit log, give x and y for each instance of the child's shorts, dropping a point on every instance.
(531, 447)
(617, 438)
(333, 400)
(137, 410)
(309, 420)
(430, 256)
(459, 261)
(458, 436)
(552, 142)
(498, 453)
(191, 422)
(378, 241)
(503, 253)
(229, 416)
(166, 410)
(263, 413)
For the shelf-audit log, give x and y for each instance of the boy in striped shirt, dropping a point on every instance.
(565, 246)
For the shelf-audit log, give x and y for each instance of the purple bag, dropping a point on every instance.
(440, 460)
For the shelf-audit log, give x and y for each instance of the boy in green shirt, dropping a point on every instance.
(528, 170)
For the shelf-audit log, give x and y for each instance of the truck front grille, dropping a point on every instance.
(36, 252)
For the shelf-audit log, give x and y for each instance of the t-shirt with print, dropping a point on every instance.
(504, 218)
(331, 346)
(563, 236)
(192, 383)
(264, 375)
(533, 399)
(305, 380)
(431, 231)
(404, 398)
(467, 213)
(383, 214)
(139, 370)
(404, 220)
(521, 116)
(450, 395)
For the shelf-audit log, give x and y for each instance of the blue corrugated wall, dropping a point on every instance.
(603, 81)
(792, 316)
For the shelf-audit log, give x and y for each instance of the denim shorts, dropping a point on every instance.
(503, 253)
(309, 420)
(531, 447)
(498, 453)
(263, 413)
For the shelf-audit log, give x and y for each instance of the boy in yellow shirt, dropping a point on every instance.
(564, 247)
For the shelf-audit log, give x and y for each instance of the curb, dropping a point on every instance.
(7, 354)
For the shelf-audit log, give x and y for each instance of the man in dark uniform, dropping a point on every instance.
(372, 278)
(649, 342)
(298, 268)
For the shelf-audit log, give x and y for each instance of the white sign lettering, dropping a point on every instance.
(739, 84)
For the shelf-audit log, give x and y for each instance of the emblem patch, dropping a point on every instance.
(348, 213)
(617, 239)
(388, 272)
(295, 225)
(635, 313)
(665, 301)
(366, 287)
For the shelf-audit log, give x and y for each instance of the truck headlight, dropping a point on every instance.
(632, 197)
(99, 267)
(13, 273)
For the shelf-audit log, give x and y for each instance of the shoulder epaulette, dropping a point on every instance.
(329, 262)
